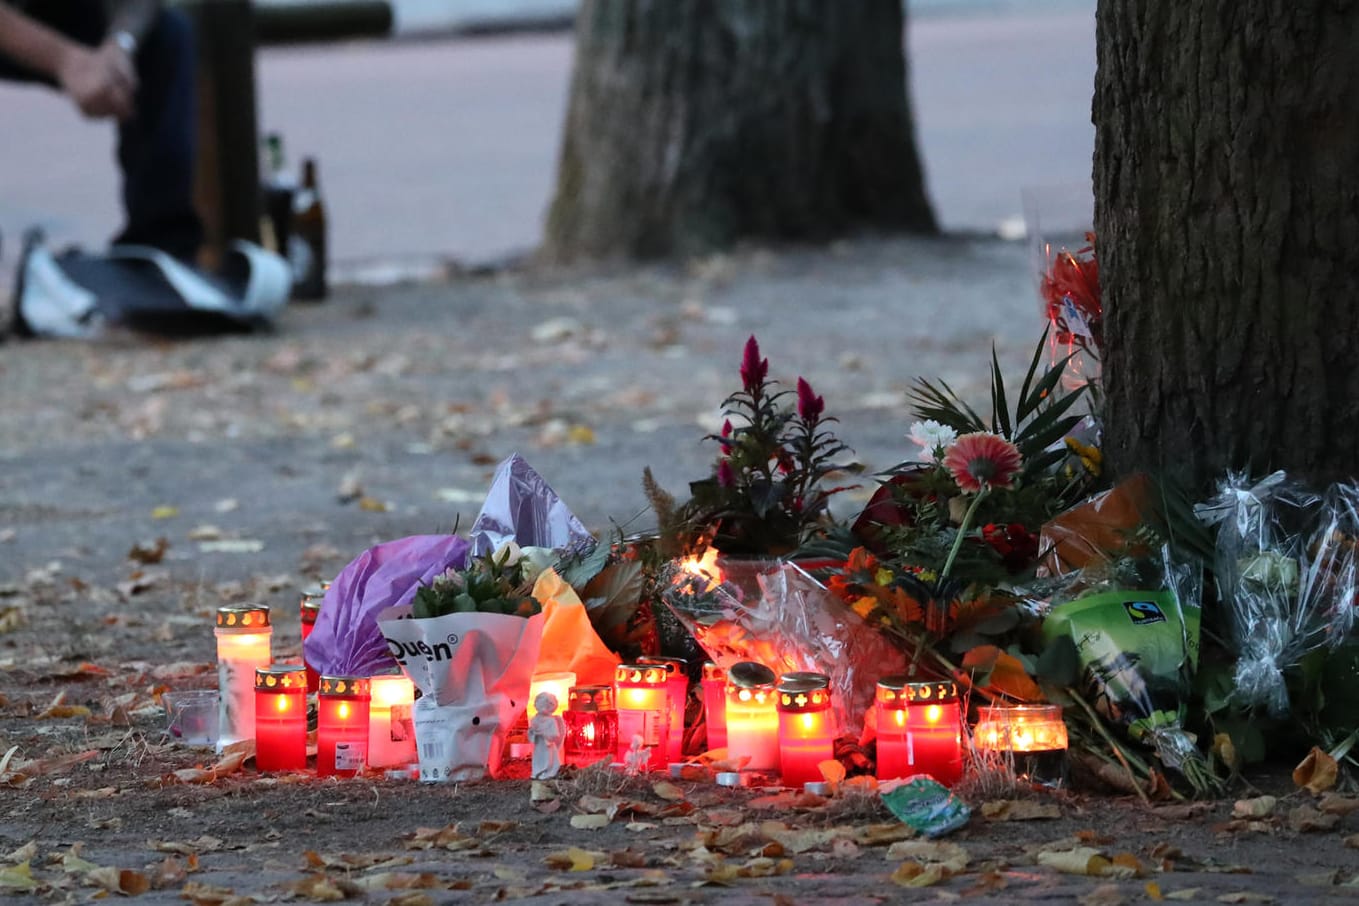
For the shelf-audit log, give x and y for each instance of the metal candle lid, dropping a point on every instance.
(354, 686)
(250, 616)
(936, 693)
(672, 665)
(590, 698)
(751, 675)
(311, 602)
(891, 691)
(642, 674)
(281, 678)
(800, 692)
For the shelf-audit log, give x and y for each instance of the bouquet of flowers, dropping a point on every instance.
(1068, 278)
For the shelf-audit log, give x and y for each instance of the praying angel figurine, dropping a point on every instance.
(635, 761)
(546, 731)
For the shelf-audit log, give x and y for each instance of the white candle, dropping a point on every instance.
(391, 732)
(243, 645)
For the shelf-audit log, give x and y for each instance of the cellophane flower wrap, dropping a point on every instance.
(473, 669)
(772, 612)
(1286, 570)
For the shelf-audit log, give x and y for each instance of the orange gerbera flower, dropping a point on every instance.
(982, 459)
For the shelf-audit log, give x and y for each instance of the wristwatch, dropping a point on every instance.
(126, 40)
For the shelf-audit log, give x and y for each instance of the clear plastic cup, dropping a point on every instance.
(193, 716)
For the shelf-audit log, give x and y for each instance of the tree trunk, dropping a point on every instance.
(1227, 215)
(696, 123)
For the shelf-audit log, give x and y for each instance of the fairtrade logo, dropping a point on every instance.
(1144, 613)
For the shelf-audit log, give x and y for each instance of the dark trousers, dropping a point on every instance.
(156, 147)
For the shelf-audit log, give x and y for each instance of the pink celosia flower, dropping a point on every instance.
(725, 476)
(980, 460)
(724, 439)
(809, 405)
(753, 368)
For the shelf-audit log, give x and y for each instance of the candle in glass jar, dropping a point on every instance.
(889, 708)
(309, 609)
(591, 725)
(1034, 736)
(752, 719)
(642, 698)
(678, 697)
(281, 718)
(715, 705)
(342, 725)
(806, 731)
(391, 730)
(934, 726)
(244, 639)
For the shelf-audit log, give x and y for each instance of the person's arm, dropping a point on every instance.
(100, 80)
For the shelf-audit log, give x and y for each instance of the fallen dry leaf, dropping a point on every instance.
(1352, 841)
(1245, 896)
(18, 877)
(1103, 895)
(1184, 893)
(321, 888)
(1317, 773)
(1336, 804)
(206, 894)
(1306, 819)
(149, 552)
(165, 512)
(1082, 860)
(573, 859)
(589, 822)
(1020, 810)
(913, 874)
(25, 853)
(668, 791)
(1259, 807)
(950, 855)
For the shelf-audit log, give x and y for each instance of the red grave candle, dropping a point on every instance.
(643, 701)
(591, 725)
(806, 731)
(342, 725)
(677, 693)
(934, 729)
(309, 610)
(281, 718)
(752, 720)
(889, 706)
(715, 705)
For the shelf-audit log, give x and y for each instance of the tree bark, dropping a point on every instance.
(697, 123)
(1227, 215)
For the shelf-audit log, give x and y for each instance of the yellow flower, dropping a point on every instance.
(864, 606)
(883, 576)
(1090, 456)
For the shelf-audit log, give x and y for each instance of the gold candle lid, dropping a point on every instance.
(891, 691)
(312, 598)
(249, 616)
(281, 678)
(672, 665)
(356, 686)
(713, 673)
(644, 674)
(590, 698)
(803, 691)
(940, 692)
(750, 675)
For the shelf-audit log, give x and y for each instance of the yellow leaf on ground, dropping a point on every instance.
(17, 877)
(913, 874)
(573, 859)
(668, 791)
(1082, 860)
(165, 512)
(1259, 807)
(1317, 773)
(1185, 893)
(1019, 810)
(931, 852)
(589, 822)
(832, 770)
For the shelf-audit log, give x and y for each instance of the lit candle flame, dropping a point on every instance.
(705, 567)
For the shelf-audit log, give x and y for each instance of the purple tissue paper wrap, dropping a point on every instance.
(346, 639)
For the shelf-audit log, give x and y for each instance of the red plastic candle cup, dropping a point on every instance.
(342, 725)
(934, 727)
(752, 719)
(591, 725)
(391, 727)
(806, 729)
(281, 718)
(244, 642)
(309, 610)
(641, 695)
(715, 705)
(678, 692)
(889, 707)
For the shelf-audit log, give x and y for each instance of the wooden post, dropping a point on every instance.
(227, 187)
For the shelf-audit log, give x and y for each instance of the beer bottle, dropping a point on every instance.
(279, 187)
(307, 243)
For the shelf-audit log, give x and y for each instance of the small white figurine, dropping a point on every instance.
(546, 731)
(635, 761)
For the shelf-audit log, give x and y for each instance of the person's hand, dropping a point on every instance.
(101, 81)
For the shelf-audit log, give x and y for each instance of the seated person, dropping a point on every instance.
(131, 61)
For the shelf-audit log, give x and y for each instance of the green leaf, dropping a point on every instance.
(999, 624)
(1000, 407)
(1025, 404)
(1060, 662)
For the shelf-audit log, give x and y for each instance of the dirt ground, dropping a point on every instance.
(266, 462)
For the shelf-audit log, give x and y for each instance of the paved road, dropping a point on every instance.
(446, 148)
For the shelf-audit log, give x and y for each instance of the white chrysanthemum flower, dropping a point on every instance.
(933, 439)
